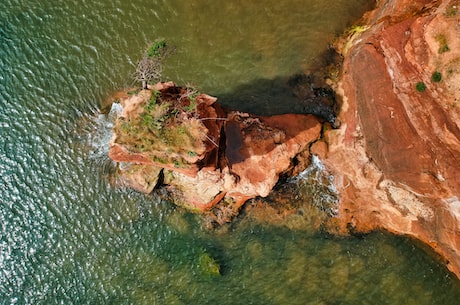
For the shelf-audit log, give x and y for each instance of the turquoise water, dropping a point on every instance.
(69, 236)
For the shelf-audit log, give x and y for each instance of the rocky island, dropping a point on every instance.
(205, 157)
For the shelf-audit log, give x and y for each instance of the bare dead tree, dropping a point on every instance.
(150, 67)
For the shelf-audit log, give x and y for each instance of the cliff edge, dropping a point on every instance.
(396, 157)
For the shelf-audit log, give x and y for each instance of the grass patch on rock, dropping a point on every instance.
(443, 46)
(166, 129)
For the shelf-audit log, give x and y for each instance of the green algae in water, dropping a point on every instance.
(208, 265)
(262, 264)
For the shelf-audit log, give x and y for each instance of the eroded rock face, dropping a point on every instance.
(204, 156)
(396, 158)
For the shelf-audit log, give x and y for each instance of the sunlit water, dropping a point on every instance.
(69, 236)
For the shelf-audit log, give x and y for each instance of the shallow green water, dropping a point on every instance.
(68, 236)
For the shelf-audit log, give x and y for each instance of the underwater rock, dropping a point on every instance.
(209, 267)
(206, 158)
(401, 144)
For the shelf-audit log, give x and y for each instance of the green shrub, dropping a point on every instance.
(157, 48)
(436, 77)
(420, 86)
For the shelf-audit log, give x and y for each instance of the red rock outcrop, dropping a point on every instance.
(396, 157)
(231, 158)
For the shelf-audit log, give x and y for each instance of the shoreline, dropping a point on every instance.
(401, 139)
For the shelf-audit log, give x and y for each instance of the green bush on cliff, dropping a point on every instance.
(436, 77)
(420, 86)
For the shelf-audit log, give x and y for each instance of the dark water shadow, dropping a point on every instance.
(300, 93)
(304, 92)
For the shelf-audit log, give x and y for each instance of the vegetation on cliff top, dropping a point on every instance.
(436, 77)
(420, 86)
(443, 46)
(162, 124)
(165, 125)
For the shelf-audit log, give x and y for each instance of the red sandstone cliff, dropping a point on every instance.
(396, 158)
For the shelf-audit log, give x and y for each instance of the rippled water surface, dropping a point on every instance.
(68, 236)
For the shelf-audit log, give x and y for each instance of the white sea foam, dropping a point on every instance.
(102, 131)
(318, 186)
